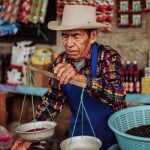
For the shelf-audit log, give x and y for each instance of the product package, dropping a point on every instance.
(10, 10)
(6, 139)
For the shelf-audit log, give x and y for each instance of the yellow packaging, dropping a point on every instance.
(145, 85)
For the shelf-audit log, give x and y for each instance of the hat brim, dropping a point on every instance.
(56, 25)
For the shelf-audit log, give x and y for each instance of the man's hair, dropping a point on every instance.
(88, 31)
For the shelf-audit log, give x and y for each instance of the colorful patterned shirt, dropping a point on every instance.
(107, 87)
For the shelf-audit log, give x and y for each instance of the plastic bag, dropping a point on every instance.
(6, 139)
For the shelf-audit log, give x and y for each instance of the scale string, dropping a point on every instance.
(30, 74)
(89, 121)
(29, 82)
(78, 112)
(76, 118)
(83, 110)
(42, 98)
(24, 99)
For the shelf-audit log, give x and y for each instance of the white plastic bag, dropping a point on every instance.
(6, 139)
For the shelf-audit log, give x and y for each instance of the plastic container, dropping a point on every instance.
(126, 119)
(81, 143)
(25, 130)
(114, 147)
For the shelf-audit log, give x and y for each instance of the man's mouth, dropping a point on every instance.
(72, 55)
(71, 52)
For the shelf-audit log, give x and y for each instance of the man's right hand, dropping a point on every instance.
(20, 144)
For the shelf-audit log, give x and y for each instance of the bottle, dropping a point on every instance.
(127, 75)
(128, 65)
(135, 66)
(137, 84)
(131, 83)
(136, 78)
(126, 80)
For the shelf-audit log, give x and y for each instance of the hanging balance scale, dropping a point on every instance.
(41, 130)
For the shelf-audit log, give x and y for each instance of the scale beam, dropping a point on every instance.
(51, 75)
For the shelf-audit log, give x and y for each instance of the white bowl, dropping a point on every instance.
(36, 135)
(81, 143)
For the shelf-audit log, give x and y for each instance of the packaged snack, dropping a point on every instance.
(6, 139)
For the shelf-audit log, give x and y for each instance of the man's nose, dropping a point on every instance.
(70, 41)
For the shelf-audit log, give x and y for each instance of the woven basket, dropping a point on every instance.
(126, 119)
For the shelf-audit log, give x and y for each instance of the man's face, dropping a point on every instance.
(77, 43)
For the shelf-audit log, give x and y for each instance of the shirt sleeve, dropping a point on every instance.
(108, 87)
(52, 100)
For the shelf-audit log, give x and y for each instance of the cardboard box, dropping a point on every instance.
(3, 111)
(145, 85)
(38, 79)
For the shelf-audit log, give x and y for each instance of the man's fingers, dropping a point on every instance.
(69, 76)
(16, 144)
(26, 145)
(65, 75)
(60, 72)
(21, 145)
(64, 72)
(56, 69)
(60, 69)
(63, 69)
(19, 148)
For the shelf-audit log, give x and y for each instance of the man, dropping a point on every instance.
(98, 66)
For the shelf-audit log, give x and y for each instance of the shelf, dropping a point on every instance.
(39, 91)
(138, 98)
(36, 91)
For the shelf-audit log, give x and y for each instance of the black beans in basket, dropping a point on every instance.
(142, 131)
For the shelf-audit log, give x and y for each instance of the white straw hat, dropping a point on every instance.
(77, 17)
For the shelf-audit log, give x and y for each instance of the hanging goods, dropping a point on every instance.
(10, 11)
(24, 11)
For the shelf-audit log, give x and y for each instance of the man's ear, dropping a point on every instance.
(94, 35)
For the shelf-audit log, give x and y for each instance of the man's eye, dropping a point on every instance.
(76, 37)
(65, 36)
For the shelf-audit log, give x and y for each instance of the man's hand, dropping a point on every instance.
(19, 144)
(65, 71)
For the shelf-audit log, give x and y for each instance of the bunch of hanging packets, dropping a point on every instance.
(13, 12)
(7, 28)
